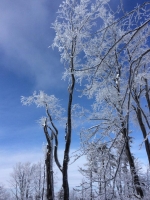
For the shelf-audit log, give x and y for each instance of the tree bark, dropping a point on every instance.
(68, 133)
(49, 163)
(132, 165)
(143, 129)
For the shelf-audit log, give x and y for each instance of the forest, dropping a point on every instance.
(105, 52)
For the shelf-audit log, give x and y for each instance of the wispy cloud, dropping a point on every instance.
(24, 39)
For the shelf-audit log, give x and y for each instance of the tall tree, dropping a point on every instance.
(115, 54)
(53, 111)
(72, 27)
(105, 52)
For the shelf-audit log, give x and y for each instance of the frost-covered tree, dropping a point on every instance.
(115, 59)
(106, 174)
(39, 181)
(4, 194)
(53, 112)
(22, 181)
(72, 27)
(109, 180)
(28, 181)
(105, 52)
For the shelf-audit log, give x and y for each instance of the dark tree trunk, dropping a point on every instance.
(68, 134)
(140, 115)
(132, 165)
(143, 129)
(91, 185)
(43, 184)
(49, 163)
(147, 94)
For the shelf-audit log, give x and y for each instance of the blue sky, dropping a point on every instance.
(26, 65)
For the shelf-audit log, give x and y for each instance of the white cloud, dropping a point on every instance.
(24, 39)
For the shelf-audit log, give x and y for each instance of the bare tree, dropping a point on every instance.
(39, 181)
(4, 194)
(27, 181)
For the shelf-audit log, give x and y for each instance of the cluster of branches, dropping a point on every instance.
(107, 53)
(4, 193)
(28, 181)
(107, 175)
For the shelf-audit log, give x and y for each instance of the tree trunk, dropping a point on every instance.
(49, 164)
(43, 184)
(132, 165)
(143, 129)
(68, 132)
